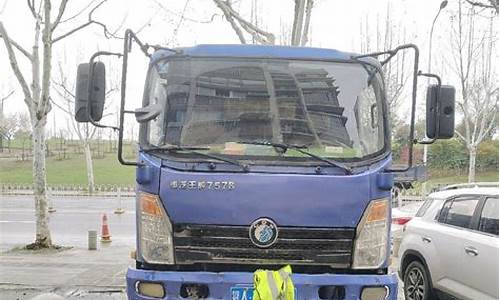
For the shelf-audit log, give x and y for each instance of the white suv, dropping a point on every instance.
(450, 248)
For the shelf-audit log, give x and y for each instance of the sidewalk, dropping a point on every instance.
(74, 273)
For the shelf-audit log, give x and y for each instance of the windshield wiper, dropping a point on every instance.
(300, 148)
(193, 150)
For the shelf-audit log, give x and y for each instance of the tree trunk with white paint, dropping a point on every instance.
(472, 163)
(43, 238)
(90, 168)
(37, 95)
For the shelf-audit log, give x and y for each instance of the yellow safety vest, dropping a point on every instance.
(273, 285)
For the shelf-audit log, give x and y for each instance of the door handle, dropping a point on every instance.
(426, 239)
(471, 251)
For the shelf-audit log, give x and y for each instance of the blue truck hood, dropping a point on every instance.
(289, 199)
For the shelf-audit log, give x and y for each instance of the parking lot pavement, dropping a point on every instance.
(394, 269)
(74, 273)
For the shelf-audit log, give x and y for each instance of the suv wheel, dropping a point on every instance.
(417, 284)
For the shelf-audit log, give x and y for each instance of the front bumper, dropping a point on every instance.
(219, 284)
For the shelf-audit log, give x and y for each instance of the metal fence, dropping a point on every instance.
(108, 190)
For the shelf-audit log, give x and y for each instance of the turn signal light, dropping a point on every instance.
(150, 289)
(150, 204)
(378, 211)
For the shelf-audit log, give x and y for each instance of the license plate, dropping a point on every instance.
(242, 293)
(245, 293)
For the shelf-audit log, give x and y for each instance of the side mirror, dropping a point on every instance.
(440, 112)
(90, 92)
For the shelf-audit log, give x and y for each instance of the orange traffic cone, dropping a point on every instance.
(105, 236)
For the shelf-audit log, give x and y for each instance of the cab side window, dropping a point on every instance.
(489, 217)
(459, 211)
(157, 94)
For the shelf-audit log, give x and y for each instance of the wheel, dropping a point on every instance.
(417, 283)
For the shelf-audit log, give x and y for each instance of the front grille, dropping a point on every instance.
(231, 244)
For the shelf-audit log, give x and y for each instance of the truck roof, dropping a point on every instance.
(260, 51)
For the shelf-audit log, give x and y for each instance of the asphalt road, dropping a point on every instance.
(70, 224)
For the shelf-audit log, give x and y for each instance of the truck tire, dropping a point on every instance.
(417, 282)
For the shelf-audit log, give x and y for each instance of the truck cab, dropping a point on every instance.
(224, 167)
(256, 157)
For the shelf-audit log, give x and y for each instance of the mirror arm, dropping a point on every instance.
(411, 137)
(431, 75)
(91, 74)
(129, 37)
(427, 141)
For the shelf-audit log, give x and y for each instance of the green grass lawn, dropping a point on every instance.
(71, 171)
(108, 170)
(480, 177)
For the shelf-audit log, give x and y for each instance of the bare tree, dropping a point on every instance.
(385, 34)
(472, 53)
(299, 30)
(2, 100)
(84, 131)
(37, 93)
(8, 128)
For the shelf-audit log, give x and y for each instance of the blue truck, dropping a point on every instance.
(255, 157)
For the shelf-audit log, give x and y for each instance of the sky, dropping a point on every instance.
(334, 24)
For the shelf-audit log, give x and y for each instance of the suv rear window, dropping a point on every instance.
(459, 211)
(489, 217)
(421, 211)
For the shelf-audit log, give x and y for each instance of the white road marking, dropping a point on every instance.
(3, 221)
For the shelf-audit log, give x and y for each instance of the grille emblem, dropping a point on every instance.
(263, 232)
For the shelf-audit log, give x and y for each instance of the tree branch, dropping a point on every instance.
(6, 97)
(63, 86)
(62, 8)
(15, 66)
(2, 8)
(461, 136)
(20, 48)
(233, 24)
(187, 18)
(78, 13)
(298, 22)
(259, 34)
(31, 6)
(60, 107)
(305, 33)
(90, 21)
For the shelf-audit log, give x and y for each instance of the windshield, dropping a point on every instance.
(225, 104)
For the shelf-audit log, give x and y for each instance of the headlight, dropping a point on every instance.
(370, 245)
(155, 231)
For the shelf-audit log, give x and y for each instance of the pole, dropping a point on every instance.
(120, 209)
(429, 66)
